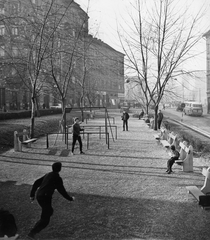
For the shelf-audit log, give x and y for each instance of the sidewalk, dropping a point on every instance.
(121, 193)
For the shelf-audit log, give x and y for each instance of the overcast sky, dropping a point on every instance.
(104, 15)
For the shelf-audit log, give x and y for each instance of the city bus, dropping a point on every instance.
(193, 108)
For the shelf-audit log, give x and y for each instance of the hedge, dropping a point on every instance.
(27, 113)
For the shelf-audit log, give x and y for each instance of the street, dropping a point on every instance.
(199, 122)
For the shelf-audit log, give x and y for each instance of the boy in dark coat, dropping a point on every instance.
(46, 186)
(159, 118)
(174, 156)
(125, 117)
(76, 129)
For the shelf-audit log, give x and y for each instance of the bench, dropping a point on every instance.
(31, 140)
(202, 195)
(164, 137)
(203, 199)
(196, 192)
(186, 157)
(172, 139)
(147, 122)
(157, 136)
(165, 143)
(25, 140)
(204, 171)
(206, 186)
(152, 122)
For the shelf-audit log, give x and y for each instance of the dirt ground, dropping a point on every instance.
(121, 193)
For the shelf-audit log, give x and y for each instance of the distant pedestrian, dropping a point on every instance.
(76, 129)
(159, 118)
(125, 116)
(174, 156)
(4, 108)
(141, 114)
(46, 186)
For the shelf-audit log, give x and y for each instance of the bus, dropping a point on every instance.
(193, 108)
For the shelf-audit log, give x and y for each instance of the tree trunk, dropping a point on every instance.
(156, 112)
(63, 120)
(82, 105)
(147, 109)
(33, 111)
(37, 109)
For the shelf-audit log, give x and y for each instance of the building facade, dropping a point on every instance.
(207, 36)
(97, 70)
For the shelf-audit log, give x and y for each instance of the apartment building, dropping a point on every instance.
(97, 70)
(207, 36)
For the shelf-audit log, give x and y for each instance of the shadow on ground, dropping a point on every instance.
(104, 217)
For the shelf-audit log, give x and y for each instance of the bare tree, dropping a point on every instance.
(67, 62)
(37, 28)
(160, 43)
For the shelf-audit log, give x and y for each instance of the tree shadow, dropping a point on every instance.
(108, 217)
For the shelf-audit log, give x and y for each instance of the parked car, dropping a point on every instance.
(58, 105)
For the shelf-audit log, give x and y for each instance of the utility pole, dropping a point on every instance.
(182, 90)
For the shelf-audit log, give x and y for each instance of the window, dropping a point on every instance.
(14, 31)
(14, 51)
(2, 30)
(2, 10)
(73, 32)
(2, 51)
(13, 72)
(14, 8)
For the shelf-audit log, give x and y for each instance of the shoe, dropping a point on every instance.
(169, 172)
(72, 153)
(82, 152)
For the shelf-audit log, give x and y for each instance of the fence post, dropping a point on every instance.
(67, 138)
(47, 141)
(16, 147)
(87, 140)
(26, 137)
(108, 139)
(115, 132)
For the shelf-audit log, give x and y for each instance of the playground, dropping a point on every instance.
(122, 192)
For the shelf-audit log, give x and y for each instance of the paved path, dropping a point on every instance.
(127, 181)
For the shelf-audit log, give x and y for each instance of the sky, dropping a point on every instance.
(106, 15)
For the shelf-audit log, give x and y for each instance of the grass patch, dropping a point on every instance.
(43, 125)
(200, 143)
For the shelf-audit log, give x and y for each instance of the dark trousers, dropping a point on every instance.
(76, 138)
(125, 125)
(47, 212)
(159, 123)
(170, 163)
